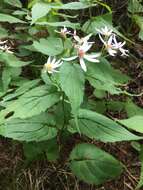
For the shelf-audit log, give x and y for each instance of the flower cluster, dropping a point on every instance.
(108, 38)
(83, 45)
(5, 47)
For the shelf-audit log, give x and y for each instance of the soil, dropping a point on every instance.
(43, 175)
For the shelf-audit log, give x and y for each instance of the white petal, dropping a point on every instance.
(102, 40)
(94, 55)
(112, 52)
(49, 60)
(90, 58)
(53, 61)
(82, 64)
(58, 64)
(86, 38)
(110, 40)
(86, 46)
(70, 58)
(77, 38)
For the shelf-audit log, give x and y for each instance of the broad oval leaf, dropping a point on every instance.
(39, 128)
(99, 127)
(72, 83)
(50, 46)
(93, 165)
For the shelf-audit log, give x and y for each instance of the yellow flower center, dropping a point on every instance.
(48, 66)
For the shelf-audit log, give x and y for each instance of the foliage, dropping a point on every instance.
(42, 99)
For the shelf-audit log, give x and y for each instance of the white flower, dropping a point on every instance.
(5, 47)
(110, 47)
(63, 32)
(3, 42)
(52, 65)
(105, 31)
(81, 54)
(119, 46)
(79, 40)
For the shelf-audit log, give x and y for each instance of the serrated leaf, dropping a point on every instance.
(99, 127)
(72, 83)
(33, 102)
(93, 165)
(39, 128)
(50, 46)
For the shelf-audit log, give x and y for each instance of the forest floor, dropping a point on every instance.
(43, 175)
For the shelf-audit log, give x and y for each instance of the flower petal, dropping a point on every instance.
(70, 58)
(82, 64)
(90, 58)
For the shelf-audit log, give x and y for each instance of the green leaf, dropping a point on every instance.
(72, 83)
(135, 6)
(75, 6)
(52, 150)
(139, 22)
(101, 21)
(99, 127)
(135, 123)
(9, 18)
(93, 165)
(15, 3)
(8, 74)
(3, 33)
(33, 102)
(34, 150)
(50, 46)
(28, 85)
(132, 109)
(39, 10)
(60, 24)
(12, 60)
(38, 128)
(103, 77)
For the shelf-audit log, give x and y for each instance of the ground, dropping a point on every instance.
(43, 175)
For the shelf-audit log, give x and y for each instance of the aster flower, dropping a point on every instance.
(109, 45)
(105, 31)
(52, 65)
(119, 46)
(82, 55)
(63, 32)
(5, 47)
(79, 40)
